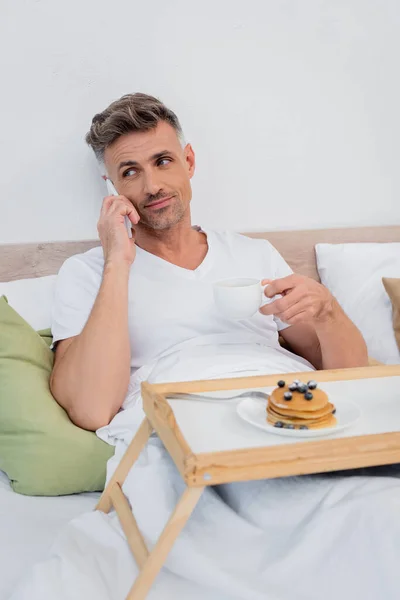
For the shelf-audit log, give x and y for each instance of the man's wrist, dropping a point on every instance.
(118, 268)
(331, 315)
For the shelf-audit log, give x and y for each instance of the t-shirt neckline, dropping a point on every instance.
(203, 266)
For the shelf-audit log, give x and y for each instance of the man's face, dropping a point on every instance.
(153, 171)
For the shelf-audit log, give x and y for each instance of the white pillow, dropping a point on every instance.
(353, 273)
(32, 299)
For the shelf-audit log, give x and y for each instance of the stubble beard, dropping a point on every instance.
(163, 218)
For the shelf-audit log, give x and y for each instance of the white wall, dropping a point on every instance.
(291, 105)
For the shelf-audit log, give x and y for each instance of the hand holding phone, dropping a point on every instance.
(117, 245)
(113, 192)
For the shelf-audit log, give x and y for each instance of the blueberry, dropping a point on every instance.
(302, 388)
(303, 427)
(289, 426)
(293, 387)
(334, 410)
(288, 395)
(296, 381)
(278, 424)
(308, 396)
(312, 384)
(281, 383)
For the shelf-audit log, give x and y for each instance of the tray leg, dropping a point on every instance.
(157, 556)
(129, 525)
(129, 458)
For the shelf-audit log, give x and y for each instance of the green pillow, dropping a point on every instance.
(41, 450)
(46, 335)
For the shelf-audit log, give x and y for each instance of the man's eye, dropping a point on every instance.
(130, 172)
(163, 161)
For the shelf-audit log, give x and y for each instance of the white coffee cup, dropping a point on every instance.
(238, 298)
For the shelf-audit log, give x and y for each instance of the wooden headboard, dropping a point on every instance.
(20, 261)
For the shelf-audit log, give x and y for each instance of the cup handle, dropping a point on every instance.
(264, 299)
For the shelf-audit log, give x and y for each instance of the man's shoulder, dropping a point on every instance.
(90, 261)
(233, 240)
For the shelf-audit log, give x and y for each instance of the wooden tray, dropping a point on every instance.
(210, 445)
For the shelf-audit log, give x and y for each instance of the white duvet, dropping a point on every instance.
(304, 538)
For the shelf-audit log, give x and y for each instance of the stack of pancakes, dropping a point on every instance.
(300, 406)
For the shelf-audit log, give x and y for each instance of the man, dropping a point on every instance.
(136, 300)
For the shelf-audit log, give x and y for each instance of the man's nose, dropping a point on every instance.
(152, 184)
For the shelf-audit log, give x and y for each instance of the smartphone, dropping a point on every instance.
(113, 192)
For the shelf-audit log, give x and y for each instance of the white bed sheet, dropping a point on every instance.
(29, 526)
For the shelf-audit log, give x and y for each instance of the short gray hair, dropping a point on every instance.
(132, 112)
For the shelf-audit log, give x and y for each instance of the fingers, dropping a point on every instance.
(119, 205)
(291, 314)
(133, 236)
(299, 299)
(282, 303)
(122, 209)
(300, 317)
(133, 215)
(280, 286)
(108, 200)
(287, 312)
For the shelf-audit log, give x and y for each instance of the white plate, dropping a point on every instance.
(253, 411)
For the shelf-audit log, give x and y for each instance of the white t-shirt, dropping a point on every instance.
(172, 309)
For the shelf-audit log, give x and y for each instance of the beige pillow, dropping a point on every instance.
(392, 286)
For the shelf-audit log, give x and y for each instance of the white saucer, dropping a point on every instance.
(253, 411)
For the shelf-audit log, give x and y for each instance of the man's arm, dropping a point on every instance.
(320, 331)
(91, 372)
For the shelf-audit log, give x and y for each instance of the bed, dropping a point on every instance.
(29, 525)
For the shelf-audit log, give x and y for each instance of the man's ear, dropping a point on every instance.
(190, 159)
